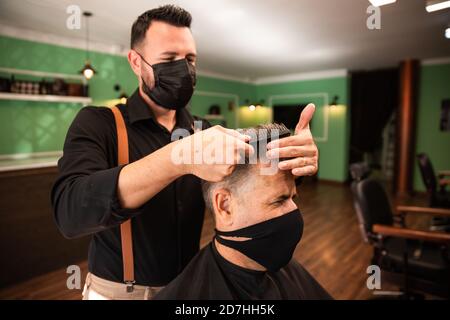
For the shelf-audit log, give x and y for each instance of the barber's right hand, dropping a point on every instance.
(218, 141)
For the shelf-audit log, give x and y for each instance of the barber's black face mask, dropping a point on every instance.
(271, 243)
(174, 83)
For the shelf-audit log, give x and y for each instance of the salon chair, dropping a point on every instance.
(416, 260)
(438, 196)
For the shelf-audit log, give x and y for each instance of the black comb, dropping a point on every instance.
(280, 128)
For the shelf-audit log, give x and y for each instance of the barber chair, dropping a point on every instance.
(438, 196)
(417, 260)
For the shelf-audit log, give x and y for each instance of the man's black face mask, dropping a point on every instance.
(174, 83)
(271, 243)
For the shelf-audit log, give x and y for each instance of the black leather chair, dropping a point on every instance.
(438, 197)
(419, 260)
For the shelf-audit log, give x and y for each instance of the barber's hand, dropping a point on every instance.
(300, 147)
(216, 140)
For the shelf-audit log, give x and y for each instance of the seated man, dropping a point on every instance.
(258, 226)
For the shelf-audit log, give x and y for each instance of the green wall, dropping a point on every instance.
(27, 126)
(36, 126)
(434, 86)
(210, 91)
(333, 160)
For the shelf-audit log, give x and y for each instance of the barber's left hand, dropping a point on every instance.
(300, 148)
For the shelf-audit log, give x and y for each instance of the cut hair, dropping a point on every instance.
(170, 14)
(260, 135)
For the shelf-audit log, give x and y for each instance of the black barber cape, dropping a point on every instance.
(210, 277)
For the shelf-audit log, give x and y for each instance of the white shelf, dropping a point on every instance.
(43, 98)
(26, 166)
(24, 161)
(44, 74)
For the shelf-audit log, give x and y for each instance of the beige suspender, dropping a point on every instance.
(125, 228)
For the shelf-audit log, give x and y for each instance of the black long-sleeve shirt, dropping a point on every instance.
(166, 229)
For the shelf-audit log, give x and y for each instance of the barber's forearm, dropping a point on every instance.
(141, 180)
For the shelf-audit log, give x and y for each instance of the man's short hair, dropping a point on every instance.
(170, 14)
(239, 176)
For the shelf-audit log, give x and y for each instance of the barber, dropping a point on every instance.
(93, 195)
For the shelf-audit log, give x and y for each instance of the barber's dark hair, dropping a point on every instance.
(170, 14)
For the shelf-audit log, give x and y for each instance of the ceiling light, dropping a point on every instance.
(88, 71)
(437, 5)
(447, 33)
(122, 96)
(335, 101)
(379, 3)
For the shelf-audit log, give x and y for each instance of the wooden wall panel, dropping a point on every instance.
(30, 243)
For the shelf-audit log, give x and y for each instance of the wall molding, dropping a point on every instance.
(302, 76)
(235, 97)
(69, 42)
(326, 98)
(31, 155)
(337, 73)
(221, 76)
(80, 43)
(435, 61)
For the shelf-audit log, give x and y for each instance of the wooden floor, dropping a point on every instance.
(331, 249)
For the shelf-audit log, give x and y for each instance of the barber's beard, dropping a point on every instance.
(146, 85)
(158, 111)
(144, 91)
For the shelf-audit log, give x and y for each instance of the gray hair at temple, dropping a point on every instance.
(238, 181)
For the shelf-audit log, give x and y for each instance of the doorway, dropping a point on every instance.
(373, 104)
